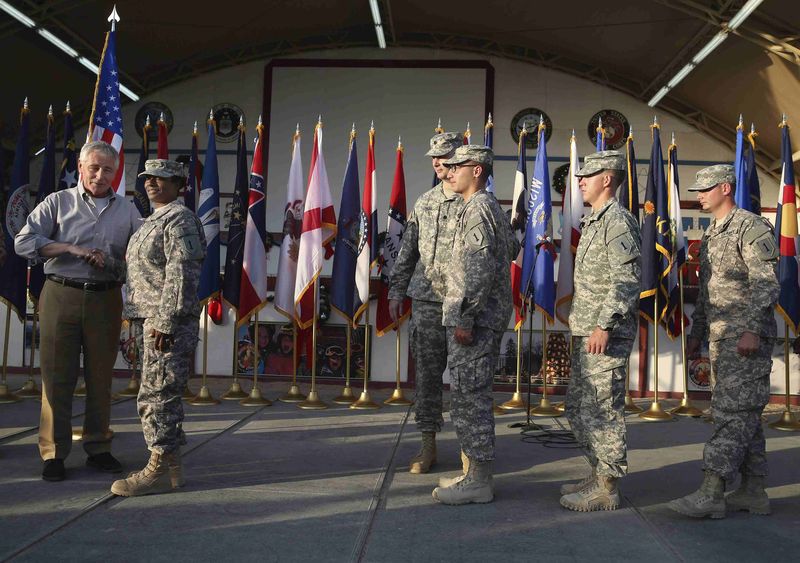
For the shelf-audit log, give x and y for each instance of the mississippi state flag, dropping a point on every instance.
(253, 291)
(319, 228)
(106, 121)
(368, 240)
(391, 247)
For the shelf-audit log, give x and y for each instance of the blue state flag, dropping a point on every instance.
(629, 189)
(538, 259)
(234, 257)
(47, 185)
(345, 258)
(14, 272)
(208, 211)
(751, 174)
(68, 175)
(742, 194)
(656, 240)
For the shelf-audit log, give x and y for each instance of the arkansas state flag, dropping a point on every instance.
(319, 228)
(391, 247)
(368, 241)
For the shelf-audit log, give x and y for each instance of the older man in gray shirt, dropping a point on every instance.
(81, 233)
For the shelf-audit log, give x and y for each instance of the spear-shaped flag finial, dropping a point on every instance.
(68, 107)
(25, 106)
(194, 129)
(147, 121)
(211, 114)
(161, 117)
(114, 18)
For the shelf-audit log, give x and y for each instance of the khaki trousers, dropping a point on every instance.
(74, 320)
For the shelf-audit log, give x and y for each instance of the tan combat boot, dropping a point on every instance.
(476, 486)
(422, 462)
(157, 477)
(750, 496)
(447, 481)
(708, 500)
(175, 470)
(569, 488)
(600, 493)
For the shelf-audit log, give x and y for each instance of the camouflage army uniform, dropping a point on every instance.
(419, 272)
(738, 292)
(164, 260)
(607, 286)
(478, 298)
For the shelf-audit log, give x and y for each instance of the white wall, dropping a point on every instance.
(410, 110)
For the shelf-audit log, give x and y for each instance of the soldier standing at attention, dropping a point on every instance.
(734, 312)
(419, 273)
(164, 262)
(603, 323)
(475, 313)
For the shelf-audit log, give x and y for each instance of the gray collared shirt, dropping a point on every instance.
(71, 216)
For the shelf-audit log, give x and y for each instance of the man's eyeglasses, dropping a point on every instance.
(455, 167)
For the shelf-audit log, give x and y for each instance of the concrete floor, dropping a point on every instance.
(281, 484)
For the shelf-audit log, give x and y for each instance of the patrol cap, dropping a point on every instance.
(476, 153)
(603, 160)
(443, 144)
(710, 176)
(163, 168)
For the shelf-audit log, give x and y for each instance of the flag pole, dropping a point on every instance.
(545, 408)
(6, 396)
(204, 397)
(347, 396)
(30, 390)
(256, 399)
(630, 406)
(365, 402)
(397, 399)
(313, 402)
(655, 413)
(685, 408)
(132, 390)
(293, 395)
(235, 392)
(516, 402)
(787, 421)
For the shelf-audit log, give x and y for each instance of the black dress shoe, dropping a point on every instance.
(53, 470)
(104, 462)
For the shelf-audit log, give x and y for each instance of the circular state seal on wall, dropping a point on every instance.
(616, 125)
(529, 117)
(227, 117)
(560, 178)
(20, 203)
(153, 110)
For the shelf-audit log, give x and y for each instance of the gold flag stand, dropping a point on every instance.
(313, 402)
(655, 413)
(685, 408)
(544, 408)
(397, 399)
(132, 390)
(516, 402)
(293, 395)
(80, 390)
(347, 396)
(787, 421)
(204, 397)
(6, 396)
(235, 391)
(30, 390)
(365, 402)
(255, 399)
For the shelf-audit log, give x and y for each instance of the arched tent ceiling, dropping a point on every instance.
(634, 46)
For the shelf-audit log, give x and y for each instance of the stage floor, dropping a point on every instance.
(282, 484)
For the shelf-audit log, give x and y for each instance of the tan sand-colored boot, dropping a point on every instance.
(569, 488)
(157, 477)
(476, 486)
(447, 481)
(708, 500)
(422, 462)
(750, 496)
(600, 493)
(175, 470)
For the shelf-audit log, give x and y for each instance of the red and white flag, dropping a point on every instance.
(572, 213)
(253, 286)
(519, 218)
(368, 240)
(292, 227)
(319, 228)
(391, 247)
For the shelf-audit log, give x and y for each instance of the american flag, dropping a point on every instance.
(106, 120)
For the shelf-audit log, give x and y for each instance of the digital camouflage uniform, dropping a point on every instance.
(738, 292)
(419, 273)
(164, 259)
(478, 298)
(607, 286)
